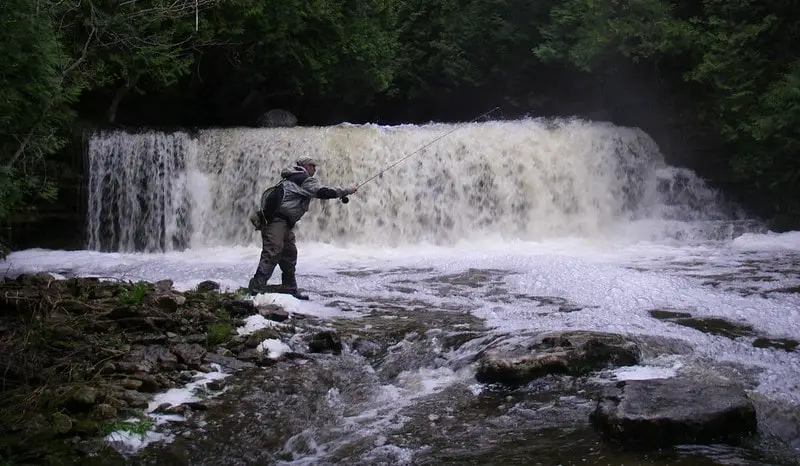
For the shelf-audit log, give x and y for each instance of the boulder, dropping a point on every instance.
(663, 412)
(238, 307)
(277, 118)
(190, 354)
(571, 353)
(273, 312)
(325, 341)
(148, 359)
(207, 285)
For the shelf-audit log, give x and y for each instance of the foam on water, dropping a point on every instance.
(616, 285)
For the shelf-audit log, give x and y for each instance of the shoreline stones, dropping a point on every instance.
(657, 413)
(568, 353)
(95, 352)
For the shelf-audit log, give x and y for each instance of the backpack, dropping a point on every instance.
(270, 202)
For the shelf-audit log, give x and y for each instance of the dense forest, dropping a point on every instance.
(715, 82)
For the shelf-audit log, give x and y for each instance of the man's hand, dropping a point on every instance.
(352, 189)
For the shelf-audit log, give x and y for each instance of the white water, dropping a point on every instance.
(524, 180)
(586, 212)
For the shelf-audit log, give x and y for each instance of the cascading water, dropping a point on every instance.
(525, 180)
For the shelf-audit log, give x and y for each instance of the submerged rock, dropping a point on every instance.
(326, 341)
(663, 412)
(570, 353)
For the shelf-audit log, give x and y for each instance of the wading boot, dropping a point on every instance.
(289, 286)
(257, 286)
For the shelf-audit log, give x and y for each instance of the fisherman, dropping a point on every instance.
(277, 236)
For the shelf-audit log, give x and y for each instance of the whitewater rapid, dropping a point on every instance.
(616, 284)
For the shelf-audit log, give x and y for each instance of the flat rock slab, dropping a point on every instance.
(663, 412)
(572, 353)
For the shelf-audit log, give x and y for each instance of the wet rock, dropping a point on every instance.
(238, 308)
(131, 384)
(38, 280)
(105, 411)
(367, 348)
(277, 118)
(777, 343)
(227, 363)
(134, 399)
(180, 409)
(327, 341)
(148, 359)
(455, 340)
(162, 408)
(716, 326)
(572, 353)
(273, 312)
(207, 285)
(190, 354)
(123, 312)
(147, 324)
(83, 399)
(668, 314)
(150, 339)
(163, 285)
(255, 338)
(168, 302)
(62, 423)
(197, 405)
(663, 412)
(147, 383)
(216, 385)
(74, 306)
(250, 355)
(222, 351)
(195, 338)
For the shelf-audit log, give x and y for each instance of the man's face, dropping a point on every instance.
(310, 168)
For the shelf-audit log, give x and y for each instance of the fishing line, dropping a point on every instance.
(345, 199)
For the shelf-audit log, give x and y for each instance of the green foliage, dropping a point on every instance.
(133, 294)
(218, 333)
(587, 32)
(221, 330)
(34, 104)
(139, 427)
(343, 48)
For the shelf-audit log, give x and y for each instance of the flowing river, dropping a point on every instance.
(498, 228)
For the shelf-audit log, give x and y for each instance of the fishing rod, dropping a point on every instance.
(346, 199)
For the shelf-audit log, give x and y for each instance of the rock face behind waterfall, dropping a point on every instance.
(571, 353)
(663, 412)
(277, 118)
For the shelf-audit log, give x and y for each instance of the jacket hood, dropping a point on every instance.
(295, 170)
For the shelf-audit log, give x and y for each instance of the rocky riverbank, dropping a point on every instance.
(83, 358)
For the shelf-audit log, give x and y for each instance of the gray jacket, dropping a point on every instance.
(299, 187)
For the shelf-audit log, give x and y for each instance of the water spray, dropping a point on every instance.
(346, 199)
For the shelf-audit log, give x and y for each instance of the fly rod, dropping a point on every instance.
(345, 199)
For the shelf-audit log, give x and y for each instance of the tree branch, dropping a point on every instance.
(24, 145)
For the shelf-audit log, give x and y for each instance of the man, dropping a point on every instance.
(277, 236)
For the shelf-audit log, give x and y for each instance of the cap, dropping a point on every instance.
(306, 161)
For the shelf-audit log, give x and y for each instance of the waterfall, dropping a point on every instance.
(526, 179)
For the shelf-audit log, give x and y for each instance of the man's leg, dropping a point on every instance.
(273, 238)
(288, 264)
